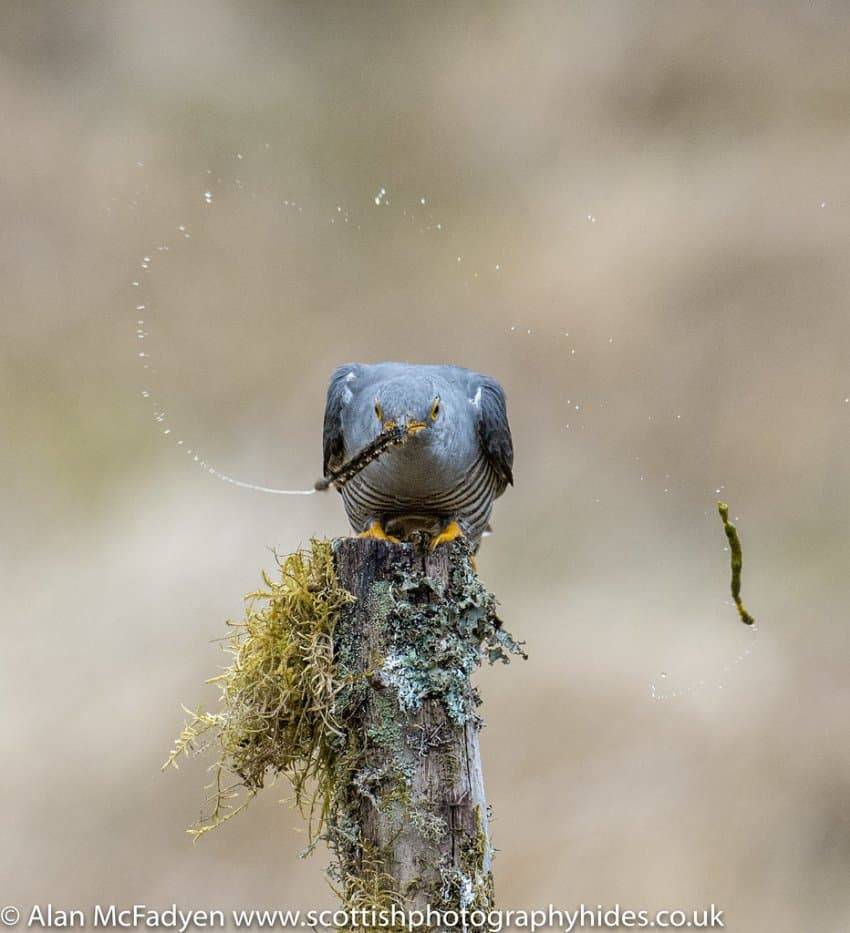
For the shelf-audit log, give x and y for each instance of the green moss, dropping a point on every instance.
(278, 711)
(737, 562)
(368, 891)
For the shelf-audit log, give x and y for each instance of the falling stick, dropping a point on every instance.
(737, 562)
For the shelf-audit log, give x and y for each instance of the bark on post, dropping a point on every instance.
(409, 823)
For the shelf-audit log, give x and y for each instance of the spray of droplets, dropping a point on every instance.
(658, 689)
(158, 410)
(142, 307)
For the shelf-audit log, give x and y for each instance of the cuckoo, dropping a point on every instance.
(448, 456)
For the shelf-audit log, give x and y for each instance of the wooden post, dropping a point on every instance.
(409, 825)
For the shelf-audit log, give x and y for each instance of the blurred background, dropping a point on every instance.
(637, 217)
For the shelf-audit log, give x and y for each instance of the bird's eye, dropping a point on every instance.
(435, 408)
(379, 412)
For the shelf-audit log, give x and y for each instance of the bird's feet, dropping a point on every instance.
(449, 533)
(376, 531)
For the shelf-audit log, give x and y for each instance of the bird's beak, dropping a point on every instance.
(410, 426)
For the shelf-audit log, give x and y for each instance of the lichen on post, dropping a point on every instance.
(414, 810)
(351, 678)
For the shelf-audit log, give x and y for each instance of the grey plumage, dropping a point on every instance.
(459, 461)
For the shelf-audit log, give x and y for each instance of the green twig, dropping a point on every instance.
(737, 562)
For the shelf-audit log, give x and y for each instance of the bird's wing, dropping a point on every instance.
(339, 395)
(494, 431)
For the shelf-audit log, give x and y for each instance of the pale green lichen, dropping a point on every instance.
(436, 644)
(430, 826)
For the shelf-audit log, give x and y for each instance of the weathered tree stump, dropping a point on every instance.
(409, 824)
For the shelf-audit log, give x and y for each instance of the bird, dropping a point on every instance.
(457, 458)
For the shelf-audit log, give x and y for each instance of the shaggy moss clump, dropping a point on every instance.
(277, 713)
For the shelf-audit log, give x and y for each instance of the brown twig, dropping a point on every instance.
(363, 458)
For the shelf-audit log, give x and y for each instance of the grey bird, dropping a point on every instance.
(445, 478)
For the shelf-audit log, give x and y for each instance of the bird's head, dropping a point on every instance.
(413, 404)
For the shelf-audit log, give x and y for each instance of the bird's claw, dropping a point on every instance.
(451, 532)
(376, 531)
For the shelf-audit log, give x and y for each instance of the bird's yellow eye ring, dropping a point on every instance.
(379, 412)
(435, 408)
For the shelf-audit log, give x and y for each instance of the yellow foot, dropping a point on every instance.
(376, 530)
(449, 533)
